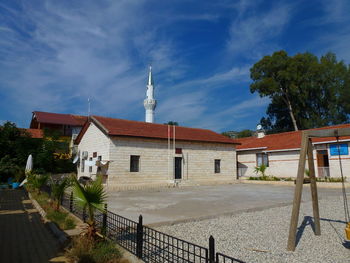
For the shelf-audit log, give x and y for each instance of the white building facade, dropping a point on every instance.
(280, 152)
(140, 154)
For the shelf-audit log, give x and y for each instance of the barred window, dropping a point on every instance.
(262, 159)
(134, 163)
(217, 166)
(90, 167)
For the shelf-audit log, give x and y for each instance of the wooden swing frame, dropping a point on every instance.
(306, 150)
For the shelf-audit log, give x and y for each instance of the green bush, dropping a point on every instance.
(56, 216)
(62, 219)
(69, 223)
(105, 251)
(264, 178)
(86, 250)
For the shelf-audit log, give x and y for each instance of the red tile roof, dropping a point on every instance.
(285, 140)
(35, 133)
(59, 118)
(119, 127)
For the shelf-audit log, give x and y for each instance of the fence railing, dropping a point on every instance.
(147, 243)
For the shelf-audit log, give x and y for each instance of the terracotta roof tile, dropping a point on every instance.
(59, 118)
(119, 127)
(286, 140)
(34, 133)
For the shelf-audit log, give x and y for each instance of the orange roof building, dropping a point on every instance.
(65, 124)
(280, 152)
(141, 154)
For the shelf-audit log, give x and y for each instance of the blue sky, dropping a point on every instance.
(54, 55)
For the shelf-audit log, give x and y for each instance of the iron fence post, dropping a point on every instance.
(71, 202)
(104, 221)
(211, 249)
(139, 238)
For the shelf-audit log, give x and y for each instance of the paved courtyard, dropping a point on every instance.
(189, 203)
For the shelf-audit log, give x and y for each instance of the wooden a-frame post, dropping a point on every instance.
(306, 151)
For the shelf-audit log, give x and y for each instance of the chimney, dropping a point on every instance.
(260, 131)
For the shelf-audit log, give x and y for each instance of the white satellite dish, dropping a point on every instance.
(259, 127)
(76, 158)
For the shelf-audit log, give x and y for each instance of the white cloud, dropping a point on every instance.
(253, 32)
(59, 56)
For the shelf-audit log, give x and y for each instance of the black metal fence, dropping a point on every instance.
(147, 243)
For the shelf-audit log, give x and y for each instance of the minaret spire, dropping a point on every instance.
(150, 79)
(150, 103)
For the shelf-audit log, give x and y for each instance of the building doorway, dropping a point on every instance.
(178, 168)
(323, 164)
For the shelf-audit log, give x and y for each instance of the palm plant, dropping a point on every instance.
(37, 181)
(57, 190)
(91, 197)
(261, 169)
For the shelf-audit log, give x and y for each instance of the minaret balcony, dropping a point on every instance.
(150, 103)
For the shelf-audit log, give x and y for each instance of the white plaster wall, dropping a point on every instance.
(285, 164)
(94, 140)
(281, 164)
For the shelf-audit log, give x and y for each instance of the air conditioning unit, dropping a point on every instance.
(85, 155)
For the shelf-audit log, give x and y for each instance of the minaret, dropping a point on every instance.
(150, 103)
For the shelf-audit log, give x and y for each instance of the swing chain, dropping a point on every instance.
(345, 199)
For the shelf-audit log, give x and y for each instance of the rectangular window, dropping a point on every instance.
(134, 163)
(178, 150)
(262, 158)
(82, 165)
(217, 166)
(90, 167)
(99, 158)
(94, 154)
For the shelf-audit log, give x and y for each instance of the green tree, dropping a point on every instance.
(240, 134)
(175, 123)
(16, 145)
(305, 91)
(244, 133)
(91, 197)
(57, 190)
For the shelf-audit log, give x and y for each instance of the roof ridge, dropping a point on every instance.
(70, 114)
(148, 123)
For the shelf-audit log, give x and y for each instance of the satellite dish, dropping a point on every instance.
(76, 159)
(259, 127)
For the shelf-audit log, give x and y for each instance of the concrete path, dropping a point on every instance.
(189, 203)
(23, 236)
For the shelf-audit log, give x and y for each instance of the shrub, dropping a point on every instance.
(80, 248)
(62, 219)
(261, 169)
(86, 250)
(58, 188)
(264, 178)
(69, 223)
(37, 181)
(105, 252)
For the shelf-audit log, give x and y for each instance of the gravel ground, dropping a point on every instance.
(262, 236)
